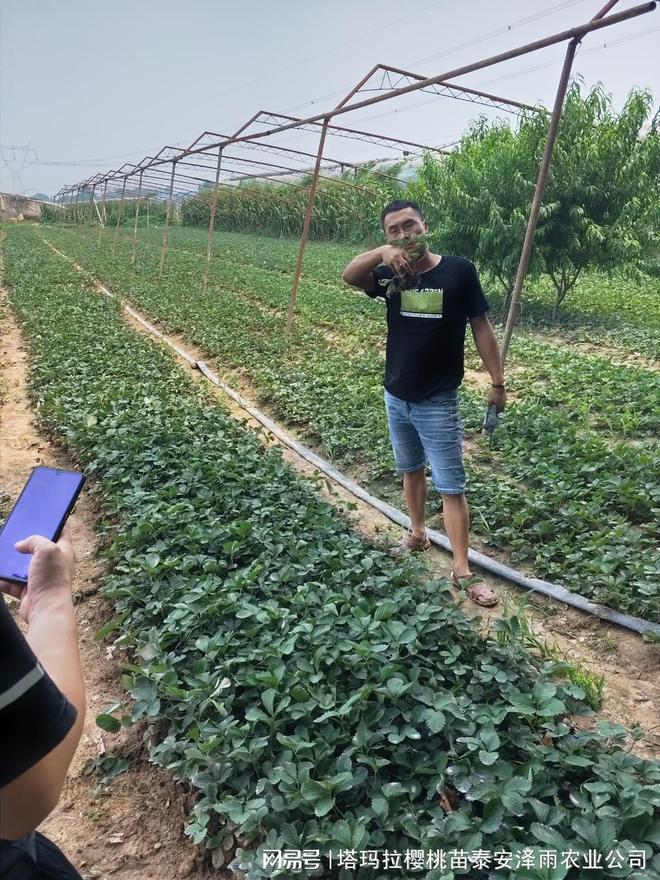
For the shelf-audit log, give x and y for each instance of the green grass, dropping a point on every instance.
(514, 624)
(611, 310)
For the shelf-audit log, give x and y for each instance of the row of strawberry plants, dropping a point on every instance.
(307, 398)
(586, 516)
(315, 692)
(620, 310)
(355, 320)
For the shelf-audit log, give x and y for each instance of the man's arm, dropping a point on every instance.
(484, 339)
(359, 271)
(47, 606)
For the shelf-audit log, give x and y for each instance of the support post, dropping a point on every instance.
(92, 205)
(98, 213)
(119, 213)
(104, 214)
(214, 208)
(137, 213)
(537, 201)
(541, 182)
(305, 232)
(166, 227)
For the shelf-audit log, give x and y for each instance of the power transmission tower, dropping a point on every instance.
(14, 158)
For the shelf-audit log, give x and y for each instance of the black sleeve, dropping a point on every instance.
(473, 295)
(380, 273)
(34, 714)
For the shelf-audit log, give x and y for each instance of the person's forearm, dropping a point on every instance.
(359, 270)
(52, 635)
(60, 656)
(486, 342)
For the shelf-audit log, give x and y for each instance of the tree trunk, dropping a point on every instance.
(507, 284)
(560, 293)
(562, 287)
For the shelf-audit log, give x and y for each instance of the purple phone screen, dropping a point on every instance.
(41, 510)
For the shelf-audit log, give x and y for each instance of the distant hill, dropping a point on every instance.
(42, 197)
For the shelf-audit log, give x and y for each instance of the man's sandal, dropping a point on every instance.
(479, 592)
(410, 544)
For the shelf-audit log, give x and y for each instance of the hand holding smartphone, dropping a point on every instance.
(42, 508)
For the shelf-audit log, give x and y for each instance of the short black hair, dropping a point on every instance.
(399, 205)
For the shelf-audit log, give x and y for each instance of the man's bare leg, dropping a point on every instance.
(414, 487)
(457, 525)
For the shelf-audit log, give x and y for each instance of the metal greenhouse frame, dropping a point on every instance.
(177, 172)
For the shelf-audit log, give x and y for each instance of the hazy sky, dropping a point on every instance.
(91, 84)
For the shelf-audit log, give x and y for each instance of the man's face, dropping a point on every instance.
(403, 224)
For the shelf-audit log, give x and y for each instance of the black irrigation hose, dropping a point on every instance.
(554, 591)
(397, 516)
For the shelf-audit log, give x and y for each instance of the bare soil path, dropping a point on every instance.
(133, 828)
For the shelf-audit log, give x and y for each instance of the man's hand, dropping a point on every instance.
(400, 257)
(498, 397)
(484, 339)
(397, 259)
(50, 574)
(416, 247)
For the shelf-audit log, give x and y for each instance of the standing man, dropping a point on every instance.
(430, 298)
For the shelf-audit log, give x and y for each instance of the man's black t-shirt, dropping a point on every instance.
(426, 327)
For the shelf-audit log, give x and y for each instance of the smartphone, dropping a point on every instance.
(42, 508)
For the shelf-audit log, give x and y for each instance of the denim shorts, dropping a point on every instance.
(428, 431)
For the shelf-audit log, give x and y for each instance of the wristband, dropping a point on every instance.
(502, 386)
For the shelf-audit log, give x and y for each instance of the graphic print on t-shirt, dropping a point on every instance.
(425, 303)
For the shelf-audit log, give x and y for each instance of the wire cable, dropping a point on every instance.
(495, 33)
(545, 64)
(467, 44)
(643, 33)
(235, 88)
